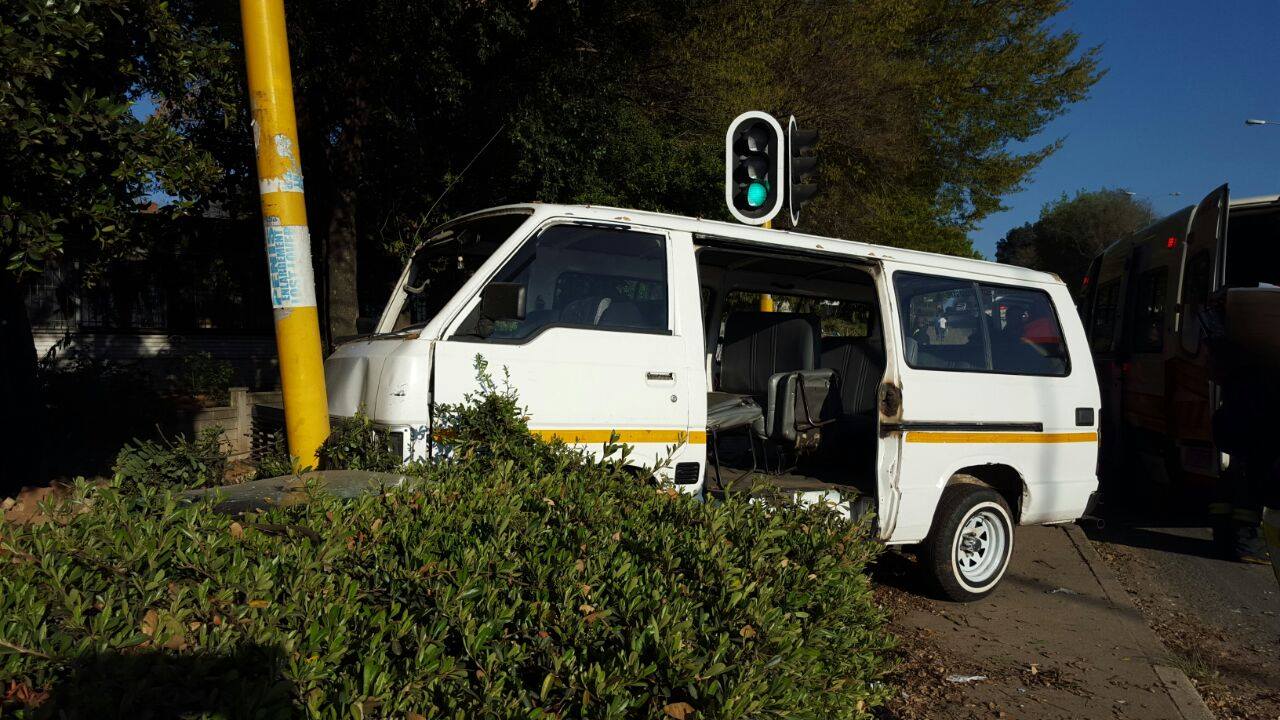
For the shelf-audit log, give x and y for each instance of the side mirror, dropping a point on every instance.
(366, 325)
(502, 301)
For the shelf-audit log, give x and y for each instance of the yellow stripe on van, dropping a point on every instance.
(631, 437)
(1000, 437)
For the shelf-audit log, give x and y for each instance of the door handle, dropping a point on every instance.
(666, 376)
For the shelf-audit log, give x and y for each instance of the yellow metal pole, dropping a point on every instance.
(766, 300)
(284, 218)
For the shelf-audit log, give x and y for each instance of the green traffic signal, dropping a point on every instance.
(757, 193)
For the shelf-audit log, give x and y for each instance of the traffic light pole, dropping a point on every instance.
(284, 218)
(766, 300)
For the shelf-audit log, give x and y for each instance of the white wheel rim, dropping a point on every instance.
(981, 546)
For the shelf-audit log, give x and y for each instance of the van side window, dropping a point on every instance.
(953, 324)
(587, 277)
(1198, 278)
(1102, 326)
(1147, 333)
(940, 323)
(1023, 331)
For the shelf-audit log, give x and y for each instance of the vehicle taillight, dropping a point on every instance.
(1171, 243)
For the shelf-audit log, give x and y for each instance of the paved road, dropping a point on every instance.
(1220, 619)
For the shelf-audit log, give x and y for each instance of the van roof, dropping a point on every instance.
(785, 238)
(1255, 200)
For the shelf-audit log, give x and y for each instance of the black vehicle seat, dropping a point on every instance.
(860, 363)
(759, 344)
(772, 358)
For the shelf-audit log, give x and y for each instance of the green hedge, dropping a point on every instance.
(520, 580)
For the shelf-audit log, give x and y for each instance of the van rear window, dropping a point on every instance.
(960, 325)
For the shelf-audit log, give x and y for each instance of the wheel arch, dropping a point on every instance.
(1000, 477)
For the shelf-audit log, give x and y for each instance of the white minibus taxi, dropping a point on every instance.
(953, 397)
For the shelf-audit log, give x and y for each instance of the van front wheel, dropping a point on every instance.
(968, 550)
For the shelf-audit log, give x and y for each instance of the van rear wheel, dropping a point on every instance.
(969, 547)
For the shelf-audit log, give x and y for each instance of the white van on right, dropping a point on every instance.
(989, 416)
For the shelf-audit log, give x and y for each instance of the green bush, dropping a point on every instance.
(521, 579)
(355, 443)
(178, 463)
(275, 460)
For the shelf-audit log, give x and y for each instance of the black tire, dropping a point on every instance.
(969, 574)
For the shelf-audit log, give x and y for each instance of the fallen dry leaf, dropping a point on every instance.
(237, 530)
(259, 604)
(24, 694)
(150, 621)
(679, 710)
(747, 631)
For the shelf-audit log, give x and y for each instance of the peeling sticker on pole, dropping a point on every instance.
(291, 179)
(289, 265)
(288, 182)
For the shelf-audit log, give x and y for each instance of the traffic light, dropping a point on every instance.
(801, 167)
(754, 167)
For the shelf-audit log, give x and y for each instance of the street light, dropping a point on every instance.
(1256, 121)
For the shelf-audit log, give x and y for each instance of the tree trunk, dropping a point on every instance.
(22, 417)
(343, 303)
(345, 160)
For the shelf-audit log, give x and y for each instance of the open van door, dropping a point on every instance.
(1205, 266)
(1191, 393)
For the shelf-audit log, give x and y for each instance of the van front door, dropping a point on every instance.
(601, 347)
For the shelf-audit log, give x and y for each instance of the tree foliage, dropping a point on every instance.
(916, 102)
(626, 103)
(1072, 230)
(79, 164)
(607, 102)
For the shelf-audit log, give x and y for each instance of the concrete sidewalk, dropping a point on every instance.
(1221, 619)
(1059, 639)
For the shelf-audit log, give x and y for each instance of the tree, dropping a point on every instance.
(626, 103)
(1071, 231)
(1018, 247)
(79, 165)
(916, 101)
(612, 101)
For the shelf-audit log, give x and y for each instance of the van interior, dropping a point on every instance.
(1253, 255)
(792, 405)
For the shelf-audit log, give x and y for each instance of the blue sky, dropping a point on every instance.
(1169, 115)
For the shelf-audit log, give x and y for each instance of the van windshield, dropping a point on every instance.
(446, 261)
